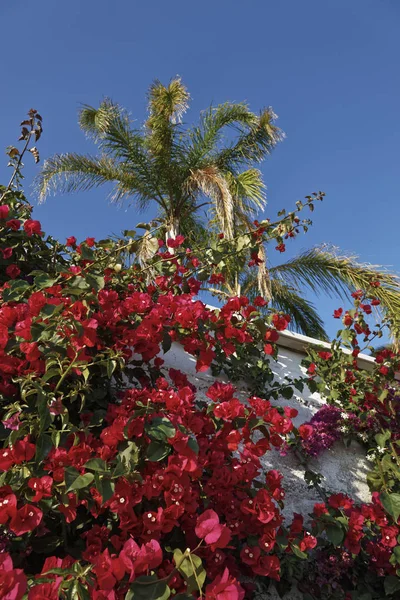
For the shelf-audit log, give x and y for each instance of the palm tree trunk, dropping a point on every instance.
(172, 230)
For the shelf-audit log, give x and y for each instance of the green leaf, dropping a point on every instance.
(129, 456)
(287, 392)
(148, 588)
(312, 386)
(96, 464)
(392, 584)
(166, 342)
(49, 310)
(83, 592)
(160, 429)
(43, 410)
(203, 274)
(391, 503)
(146, 226)
(79, 482)
(297, 552)
(15, 291)
(111, 366)
(382, 438)
(44, 281)
(335, 534)
(193, 445)
(107, 489)
(50, 374)
(43, 446)
(95, 281)
(191, 568)
(157, 451)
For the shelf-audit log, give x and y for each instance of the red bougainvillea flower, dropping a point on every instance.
(308, 542)
(6, 459)
(259, 301)
(4, 210)
(268, 566)
(340, 501)
(23, 451)
(13, 582)
(45, 591)
(271, 336)
(280, 247)
(138, 560)
(325, 355)
(13, 224)
(210, 529)
(205, 359)
(90, 241)
(13, 271)
(7, 253)
(338, 313)
(71, 240)
(224, 587)
(26, 519)
(41, 486)
(32, 227)
(320, 509)
(268, 349)
(312, 368)
(280, 322)
(305, 431)
(8, 504)
(221, 392)
(174, 243)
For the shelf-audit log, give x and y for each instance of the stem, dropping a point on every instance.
(18, 165)
(63, 376)
(195, 575)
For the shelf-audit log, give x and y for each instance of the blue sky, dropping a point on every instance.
(330, 70)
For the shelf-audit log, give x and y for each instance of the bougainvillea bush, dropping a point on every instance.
(116, 480)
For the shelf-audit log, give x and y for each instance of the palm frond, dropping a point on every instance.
(248, 190)
(324, 270)
(304, 317)
(252, 146)
(205, 137)
(214, 185)
(74, 172)
(168, 102)
(167, 105)
(110, 127)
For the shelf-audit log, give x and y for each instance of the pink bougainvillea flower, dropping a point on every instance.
(224, 587)
(4, 210)
(13, 582)
(210, 529)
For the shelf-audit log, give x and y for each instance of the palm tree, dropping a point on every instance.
(185, 171)
(206, 174)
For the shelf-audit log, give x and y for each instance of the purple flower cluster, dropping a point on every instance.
(326, 430)
(332, 569)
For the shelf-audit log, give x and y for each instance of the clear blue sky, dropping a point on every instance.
(329, 68)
